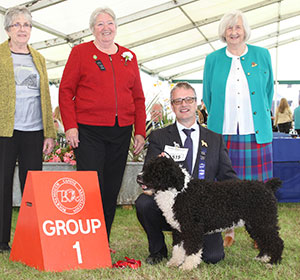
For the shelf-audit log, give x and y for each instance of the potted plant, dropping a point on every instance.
(130, 189)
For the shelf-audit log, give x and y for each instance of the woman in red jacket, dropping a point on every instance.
(101, 98)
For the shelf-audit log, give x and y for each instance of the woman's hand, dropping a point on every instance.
(48, 146)
(139, 142)
(72, 137)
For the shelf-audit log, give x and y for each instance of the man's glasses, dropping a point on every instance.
(19, 25)
(188, 100)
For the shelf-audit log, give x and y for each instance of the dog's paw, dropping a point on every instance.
(178, 255)
(263, 259)
(173, 262)
(191, 262)
(268, 265)
(188, 266)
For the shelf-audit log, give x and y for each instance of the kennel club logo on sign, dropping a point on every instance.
(68, 196)
(61, 225)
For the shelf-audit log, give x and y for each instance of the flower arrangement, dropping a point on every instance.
(127, 56)
(61, 153)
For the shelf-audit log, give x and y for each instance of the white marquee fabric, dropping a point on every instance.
(170, 38)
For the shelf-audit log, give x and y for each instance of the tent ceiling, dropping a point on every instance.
(170, 38)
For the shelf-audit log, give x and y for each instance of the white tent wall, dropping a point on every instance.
(3, 35)
(171, 38)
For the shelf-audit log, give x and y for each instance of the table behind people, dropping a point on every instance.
(286, 166)
(217, 166)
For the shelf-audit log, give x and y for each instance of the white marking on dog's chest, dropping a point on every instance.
(165, 201)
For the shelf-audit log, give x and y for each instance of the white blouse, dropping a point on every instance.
(237, 111)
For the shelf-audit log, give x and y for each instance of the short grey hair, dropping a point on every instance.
(230, 19)
(97, 12)
(184, 85)
(13, 12)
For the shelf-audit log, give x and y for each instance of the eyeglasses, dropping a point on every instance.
(19, 25)
(188, 100)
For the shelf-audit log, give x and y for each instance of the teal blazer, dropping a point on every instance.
(257, 66)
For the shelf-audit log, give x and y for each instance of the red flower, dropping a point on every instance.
(61, 154)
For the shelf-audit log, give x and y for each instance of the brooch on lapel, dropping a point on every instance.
(253, 64)
(203, 143)
(99, 63)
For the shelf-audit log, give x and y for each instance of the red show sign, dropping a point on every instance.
(61, 223)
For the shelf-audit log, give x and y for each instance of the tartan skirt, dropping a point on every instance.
(251, 161)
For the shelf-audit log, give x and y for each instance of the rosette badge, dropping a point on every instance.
(127, 56)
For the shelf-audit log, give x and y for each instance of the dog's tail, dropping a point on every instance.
(274, 184)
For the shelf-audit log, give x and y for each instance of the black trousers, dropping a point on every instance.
(153, 222)
(27, 148)
(285, 127)
(105, 150)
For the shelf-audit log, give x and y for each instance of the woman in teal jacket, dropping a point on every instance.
(238, 93)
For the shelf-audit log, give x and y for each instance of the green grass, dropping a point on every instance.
(129, 239)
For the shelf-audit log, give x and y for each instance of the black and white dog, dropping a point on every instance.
(196, 207)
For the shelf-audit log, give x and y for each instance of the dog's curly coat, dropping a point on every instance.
(196, 207)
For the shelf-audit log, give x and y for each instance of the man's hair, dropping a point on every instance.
(184, 85)
(157, 104)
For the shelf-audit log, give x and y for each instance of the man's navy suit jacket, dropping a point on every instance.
(217, 162)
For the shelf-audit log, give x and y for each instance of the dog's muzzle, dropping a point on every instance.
(139, 180)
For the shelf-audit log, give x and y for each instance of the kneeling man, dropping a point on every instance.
(201, 152)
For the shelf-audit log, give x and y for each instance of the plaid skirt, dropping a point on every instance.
(251, 161)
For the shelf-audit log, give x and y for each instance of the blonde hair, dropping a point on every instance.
(200, 116)
(56, 114)
(283, 105)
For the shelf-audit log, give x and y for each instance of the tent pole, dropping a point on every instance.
(277, 50)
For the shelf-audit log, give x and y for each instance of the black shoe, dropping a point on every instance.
(157, 257)
(4, 247)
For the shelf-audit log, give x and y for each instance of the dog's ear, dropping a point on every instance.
(173, 175)
(162, 173)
